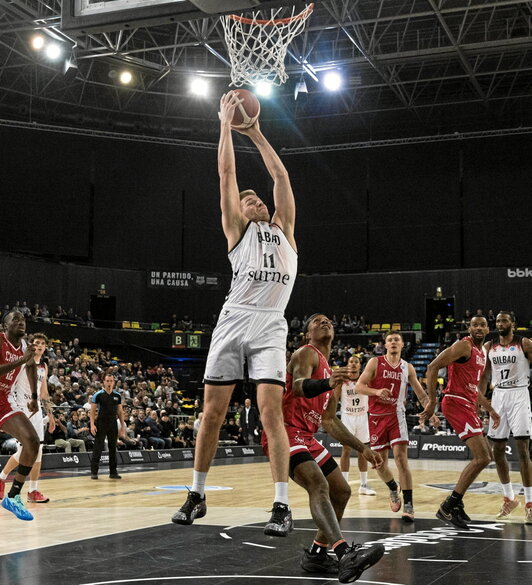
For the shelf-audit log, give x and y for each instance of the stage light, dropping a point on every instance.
(37, 42)
(332, 81)
(125, 77)
(199, 86)
(263, 88)
(53, 51)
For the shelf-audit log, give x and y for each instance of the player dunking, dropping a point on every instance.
(22, 394)
(385, 380)
(14, 353)
(508, 365)
(310, 400)
(465, 361)
(354, 413)
(251, 324)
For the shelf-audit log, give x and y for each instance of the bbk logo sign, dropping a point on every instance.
(519, 273)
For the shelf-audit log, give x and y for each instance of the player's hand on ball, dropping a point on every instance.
(228, 102)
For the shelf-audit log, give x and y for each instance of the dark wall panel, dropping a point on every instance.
(414, 207)
(45, 187)
(330, 192)
(498, 201)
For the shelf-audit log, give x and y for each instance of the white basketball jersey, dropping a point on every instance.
(352, 403)
(264, 268)
(22, 388)
(510, 367)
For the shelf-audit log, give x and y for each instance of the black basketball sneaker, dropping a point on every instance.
(194, 507)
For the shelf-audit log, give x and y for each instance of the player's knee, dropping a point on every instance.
(341, 495)
(31, 445)
(484, 459)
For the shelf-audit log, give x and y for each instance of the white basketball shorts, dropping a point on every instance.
(255, 335)
(357, 426)
(513, 406)
(38, 424)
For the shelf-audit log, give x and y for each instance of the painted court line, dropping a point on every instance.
(259, 545)
(254, 577)
(439, 560)
(224, 535)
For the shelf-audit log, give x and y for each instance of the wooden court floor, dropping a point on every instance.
(119, 531)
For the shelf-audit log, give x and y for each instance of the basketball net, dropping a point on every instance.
(257, 47)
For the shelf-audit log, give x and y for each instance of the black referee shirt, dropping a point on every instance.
(107, 403)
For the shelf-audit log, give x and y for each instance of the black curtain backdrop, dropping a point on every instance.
(428, 207)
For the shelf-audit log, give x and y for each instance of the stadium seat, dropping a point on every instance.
(165, 326)
(155, 326)
(375, 327)
(386, 327)
(396, 326)
(406, 326)
(416, 327)
(135, 325)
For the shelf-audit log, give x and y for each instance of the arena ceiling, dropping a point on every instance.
(411, 68)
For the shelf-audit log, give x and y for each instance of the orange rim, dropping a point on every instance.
(275, 21)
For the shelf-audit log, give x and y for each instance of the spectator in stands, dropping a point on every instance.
(167, 429)
(61, 438)
(466, 319)
(295, 325)
(145, 428)
(491, 318)
(438, 328)
(379, 348)
(197, 424)
(79, 429)
(249, 423)
(54, 377)
(45, 314)
(25, 310)
(233, 432)
(185, 324)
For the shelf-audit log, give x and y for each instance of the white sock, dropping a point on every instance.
(198, 482)
(363, 478)
(346, 475)
(32, 485)
(528, 494)
(281, 492)
(508, 490)
(3, 476)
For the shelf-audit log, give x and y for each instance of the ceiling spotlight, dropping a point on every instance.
(125, 77)
(263, 88)
(332, 81)
(37, 42)
(199, 86)
(53, 51)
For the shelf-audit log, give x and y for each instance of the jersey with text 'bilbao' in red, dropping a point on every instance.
(305, 413)
(395, 378)
(9, 353)
(463, 376)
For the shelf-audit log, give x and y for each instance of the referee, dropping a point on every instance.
(109, 408)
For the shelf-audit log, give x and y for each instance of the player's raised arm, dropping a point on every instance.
(233, 221)
(363, 383)
(283, 197)
(460, 349)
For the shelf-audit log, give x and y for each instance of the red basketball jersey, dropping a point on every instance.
(395, 378)
(463, 377)
(9, 353)
(305, 413)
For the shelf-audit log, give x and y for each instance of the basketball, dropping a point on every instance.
(248, 111)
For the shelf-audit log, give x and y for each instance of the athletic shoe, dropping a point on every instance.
(395, 500)
(356, 560)
(451, 515)
(462, 512)
(114, 476)
(2, 488)
(508, 506)
(364, 490)
(194, 507)
(408, 513)
(94, 476)
(16, 505)
(281, 522)
(320, 564)
(528, 513)
(37, 498)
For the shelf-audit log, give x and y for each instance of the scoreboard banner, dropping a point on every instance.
(168, 279)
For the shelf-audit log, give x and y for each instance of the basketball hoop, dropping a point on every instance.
(257, 47)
